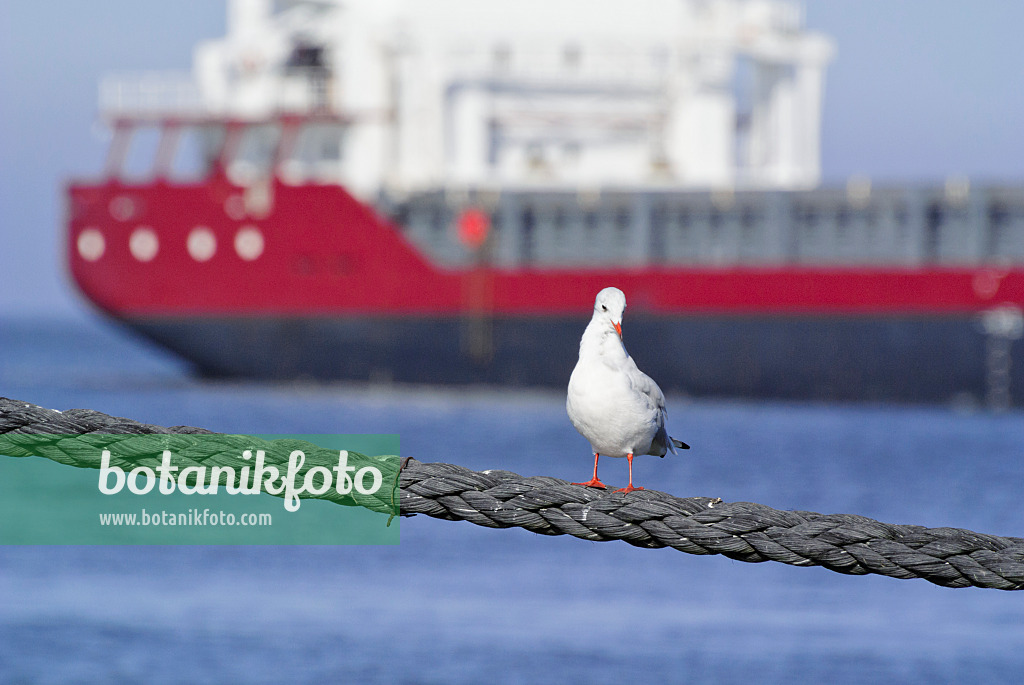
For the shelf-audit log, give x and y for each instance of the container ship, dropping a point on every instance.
(433, 192)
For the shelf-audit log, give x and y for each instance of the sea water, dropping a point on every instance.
(457, 603)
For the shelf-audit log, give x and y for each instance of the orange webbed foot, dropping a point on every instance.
(593, 483)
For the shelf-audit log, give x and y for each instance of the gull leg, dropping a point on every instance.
(628, 488)
(594, 482)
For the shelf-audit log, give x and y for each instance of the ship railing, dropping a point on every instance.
(151, 94)
(176, 95)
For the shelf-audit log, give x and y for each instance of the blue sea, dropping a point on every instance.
(456, 603)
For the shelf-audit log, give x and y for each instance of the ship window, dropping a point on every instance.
(558, 218)
(527, 218)
(306, 56)
(330, 149)
(998, 218)
(622, 219)
(400, 217)
(807, 216)
(143, 244)
(658, 224)
(842, 221)
(249, 243)
(934, 218)
(807, 220)
(91, 244)
(748, 218)
(196, 152)
(715, 220)
(439, 220)
(138, 163)
(899, 213)
(255, 154)
(749, 221)
(317, 153)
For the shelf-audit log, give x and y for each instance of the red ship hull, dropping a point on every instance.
(326, 288)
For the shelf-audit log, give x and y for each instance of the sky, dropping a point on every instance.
(920, 90)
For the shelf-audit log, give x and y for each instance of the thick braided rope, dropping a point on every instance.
(844, 543)
(77, 437)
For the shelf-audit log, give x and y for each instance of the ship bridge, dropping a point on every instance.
(408, 96)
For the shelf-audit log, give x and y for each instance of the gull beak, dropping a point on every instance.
(618, 328)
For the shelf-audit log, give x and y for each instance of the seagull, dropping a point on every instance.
(618, 408)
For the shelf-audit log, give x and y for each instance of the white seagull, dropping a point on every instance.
(612, 403)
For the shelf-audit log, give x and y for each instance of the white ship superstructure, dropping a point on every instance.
(407, 96)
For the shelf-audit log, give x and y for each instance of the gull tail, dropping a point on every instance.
(663, 444)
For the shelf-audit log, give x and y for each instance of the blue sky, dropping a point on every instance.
(920, 90)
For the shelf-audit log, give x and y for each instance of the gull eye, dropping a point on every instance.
(604, 308)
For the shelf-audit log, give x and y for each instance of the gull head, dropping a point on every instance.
(609, 306)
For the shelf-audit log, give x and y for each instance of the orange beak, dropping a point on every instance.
(618, 328)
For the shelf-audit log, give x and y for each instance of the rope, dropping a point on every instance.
(77, 437)
(844, 543)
